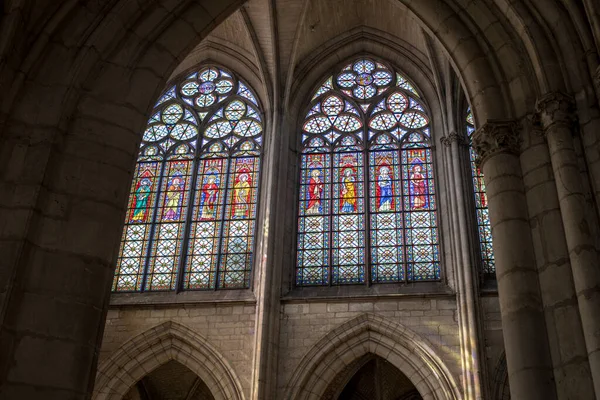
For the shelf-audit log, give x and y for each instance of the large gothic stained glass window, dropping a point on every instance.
(367, 207)
(191, 215)
(483, 217)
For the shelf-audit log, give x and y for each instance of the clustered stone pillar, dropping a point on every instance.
(563, 322)
(557, 113)
(466, 287)
(523, 323)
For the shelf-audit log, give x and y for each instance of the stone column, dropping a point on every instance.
(467, 286)
(461, 298)
(563, 322)
(557, 113)
(267, 277)
(523, 323)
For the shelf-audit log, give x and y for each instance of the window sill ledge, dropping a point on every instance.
(188, 297)
(387, 291)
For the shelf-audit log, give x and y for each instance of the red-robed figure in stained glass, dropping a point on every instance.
(241, 193)
(480, 189)
(418, 189)
(210, 190)
(315, 192)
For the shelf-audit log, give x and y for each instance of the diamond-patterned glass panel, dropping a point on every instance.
(195, 231)
(367, 209)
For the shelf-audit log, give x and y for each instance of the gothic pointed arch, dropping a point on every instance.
(191, 217)
(367, 209)
(372, 334)
(151, 349)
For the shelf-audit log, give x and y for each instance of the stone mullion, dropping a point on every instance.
(524, 326)
(557, 112)
(458, 276)
(465, 268)
(563, 322)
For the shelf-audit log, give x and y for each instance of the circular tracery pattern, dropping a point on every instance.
(237, 120)
(208, 87)
(334, 114)
(364, 79)
(207, 129)
(365, 147)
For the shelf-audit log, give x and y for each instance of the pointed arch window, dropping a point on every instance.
(191, 214)
(367, 207)
(484, 228)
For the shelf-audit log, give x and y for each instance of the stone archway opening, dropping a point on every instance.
(371, 377)
(170, 381)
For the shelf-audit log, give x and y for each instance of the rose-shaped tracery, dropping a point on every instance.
(367, 208)
(193, 202)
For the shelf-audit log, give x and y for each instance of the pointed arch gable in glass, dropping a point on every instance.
(481, 206)
(367, 207)
(191, 215)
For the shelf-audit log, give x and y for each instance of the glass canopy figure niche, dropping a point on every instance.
(191, 215)
(367, 208)
(481, 206)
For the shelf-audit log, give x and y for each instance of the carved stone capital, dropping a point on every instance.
(495, 137)
(454, 137)
(556, 109)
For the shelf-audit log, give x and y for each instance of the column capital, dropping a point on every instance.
(556, 108)
(454, 137)
(495, 137)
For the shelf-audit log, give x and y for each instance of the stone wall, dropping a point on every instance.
(228, 327)
(303, 324)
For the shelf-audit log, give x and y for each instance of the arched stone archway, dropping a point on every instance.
(371, 334)
(153, 348)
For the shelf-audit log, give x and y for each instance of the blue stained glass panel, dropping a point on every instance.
(375, 221)
(194, 192)
(483, 220)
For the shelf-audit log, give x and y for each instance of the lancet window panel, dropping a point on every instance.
(367, 208)
(484, 228)
(191, 216)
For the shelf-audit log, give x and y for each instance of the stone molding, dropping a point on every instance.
(556, 109)
(495, 137)
(153, 348)
(372, 334)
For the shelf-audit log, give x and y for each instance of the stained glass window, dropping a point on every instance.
(367, 209)
(191, 215)
(481, 207)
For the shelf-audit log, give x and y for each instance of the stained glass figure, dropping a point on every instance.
(367, 194)
(483, 218)
(192, 211)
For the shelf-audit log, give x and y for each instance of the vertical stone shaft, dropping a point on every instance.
(459, 277)
(466, 269)
(563, 323)
(557, 116)
(525, 338)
